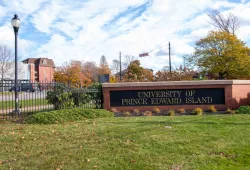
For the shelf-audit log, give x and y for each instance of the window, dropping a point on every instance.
(44, 61)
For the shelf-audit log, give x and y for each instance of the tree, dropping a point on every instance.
(229, 23)
(72, 74)
(222, 53)
(6, 60)
(148, 75)
(134, 72)
(175, 75)
(113, 79)
(115, 67)
(137, 73)
(103, 60)
(104, 67)
(90, 69)
(127, 60)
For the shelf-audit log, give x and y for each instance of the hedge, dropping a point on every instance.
(66, 115)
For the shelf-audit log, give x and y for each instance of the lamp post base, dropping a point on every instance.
(16, 112)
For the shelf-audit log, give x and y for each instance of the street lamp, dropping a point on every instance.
(15, 22)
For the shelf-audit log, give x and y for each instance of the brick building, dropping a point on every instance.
(41, 69)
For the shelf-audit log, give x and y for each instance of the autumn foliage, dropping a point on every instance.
(223, 54)
(103, 67)
(137, 73)
(176, 75)
(73, 75)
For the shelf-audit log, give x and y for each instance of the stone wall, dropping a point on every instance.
(236, 93)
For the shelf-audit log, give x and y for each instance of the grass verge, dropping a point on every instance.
(6, 93)
(23, 103)
(193, 142)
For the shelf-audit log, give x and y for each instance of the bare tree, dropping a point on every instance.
(103, 60)
(115, 67)
(229, 23)
(127, 60)
(6, 60)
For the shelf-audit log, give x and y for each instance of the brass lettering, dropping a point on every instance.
(132, 102)
(166, 101)
(153, 101)
(158, 94)
(139, 94)
(204, 100)
(190, 93)
(179, 93)
(198, 100)
(123, 101)
(209, 99)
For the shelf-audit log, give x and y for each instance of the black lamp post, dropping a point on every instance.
(15, 22)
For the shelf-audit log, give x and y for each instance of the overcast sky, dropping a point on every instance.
(84, 30)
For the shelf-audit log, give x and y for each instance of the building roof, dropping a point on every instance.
(40, 61)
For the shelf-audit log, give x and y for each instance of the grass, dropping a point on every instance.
(193, 142)
(66, 115)
(24, 103)
(6, 93)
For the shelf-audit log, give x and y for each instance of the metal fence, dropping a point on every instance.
(36, 97)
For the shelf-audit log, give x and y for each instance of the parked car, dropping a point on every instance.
(28, 87)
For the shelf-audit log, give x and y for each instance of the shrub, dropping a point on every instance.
(114, 110)
(171, 112)
(59, 97)
(229, 111)
(212, 109)
(80, 97)
(197, 111)
(136, 111)
(126, 114)
(147, 113)
(156, 110)
(97, 97)
(62, 97)
(66, 115)
(243, 110)
(181, 111)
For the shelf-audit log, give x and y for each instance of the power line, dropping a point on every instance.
(158, 48)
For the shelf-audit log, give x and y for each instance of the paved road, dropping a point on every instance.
(23, 96)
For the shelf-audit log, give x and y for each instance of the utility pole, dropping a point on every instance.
(169, 49)
(184, 58)
(120, 66)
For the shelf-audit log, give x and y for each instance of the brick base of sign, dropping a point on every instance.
(188, 95)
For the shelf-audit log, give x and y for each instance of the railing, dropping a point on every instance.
(36, 97)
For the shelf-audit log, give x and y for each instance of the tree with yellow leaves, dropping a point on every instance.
(223, 54)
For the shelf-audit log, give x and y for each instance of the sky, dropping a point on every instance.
(84, 30)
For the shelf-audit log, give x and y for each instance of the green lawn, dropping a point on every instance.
(23, 103)
(193, 142)
(6, 93)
